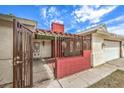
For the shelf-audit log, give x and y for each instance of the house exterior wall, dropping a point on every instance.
(6, 52)
(6, 71)
(122, 49)
(98, 51)
(45, 50)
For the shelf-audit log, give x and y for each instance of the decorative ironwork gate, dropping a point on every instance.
(22, 56)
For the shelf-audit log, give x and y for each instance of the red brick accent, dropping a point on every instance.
(70, 65)
(57, 27)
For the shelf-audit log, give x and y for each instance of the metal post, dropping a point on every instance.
(55, 46)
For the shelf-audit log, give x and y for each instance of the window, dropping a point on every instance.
(72, 46)
(87, 42)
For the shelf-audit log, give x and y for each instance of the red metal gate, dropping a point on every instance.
(22, 56)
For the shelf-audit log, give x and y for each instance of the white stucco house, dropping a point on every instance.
(105, 46)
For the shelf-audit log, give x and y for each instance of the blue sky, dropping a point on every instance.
(75, 18)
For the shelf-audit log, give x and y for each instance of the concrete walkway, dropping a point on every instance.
(85, 78)
(41, 72)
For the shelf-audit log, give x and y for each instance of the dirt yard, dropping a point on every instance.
(114, 80)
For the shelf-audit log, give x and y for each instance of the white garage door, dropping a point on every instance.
(111, 50)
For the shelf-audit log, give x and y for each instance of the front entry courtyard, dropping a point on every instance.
(85, 78)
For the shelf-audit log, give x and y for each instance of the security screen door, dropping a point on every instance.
(22, 56)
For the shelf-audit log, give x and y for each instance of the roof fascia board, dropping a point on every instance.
(10, 18)
(111, 35)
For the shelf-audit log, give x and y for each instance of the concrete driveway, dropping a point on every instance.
(85, 78)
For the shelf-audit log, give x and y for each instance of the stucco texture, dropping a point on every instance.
(98, 57)
(6, 52)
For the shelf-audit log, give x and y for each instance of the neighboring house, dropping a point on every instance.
(6, 45)
(105, 46)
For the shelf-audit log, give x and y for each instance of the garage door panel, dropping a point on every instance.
(111, 50)
(110, 44)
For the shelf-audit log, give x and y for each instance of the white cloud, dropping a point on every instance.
(57, 21)
(94, 25)
(96, 6)
(52, 9)
(117, 19)
(91, 13)
(79, 30)
(44, 12)
(69, 28)
(50, 14)
(118, 29)
(53, 12)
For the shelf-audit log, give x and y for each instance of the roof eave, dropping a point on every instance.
(10, 18)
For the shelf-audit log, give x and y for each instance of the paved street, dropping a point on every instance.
(85, 78)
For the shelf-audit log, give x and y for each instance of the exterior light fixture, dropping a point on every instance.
(103, 45)
(43, 43)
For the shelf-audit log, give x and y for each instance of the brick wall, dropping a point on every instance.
(57, 27)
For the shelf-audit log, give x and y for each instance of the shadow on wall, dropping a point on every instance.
(41, 72)
(6, 73)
